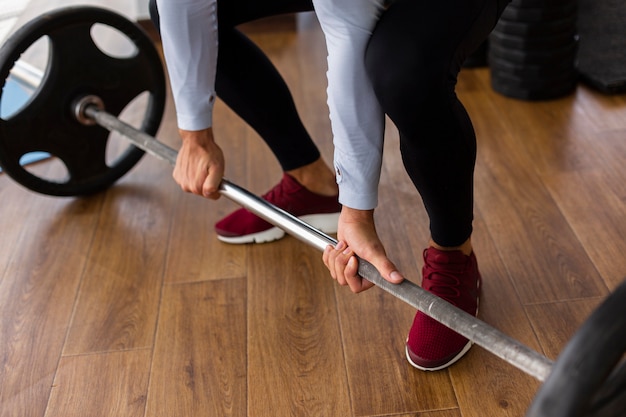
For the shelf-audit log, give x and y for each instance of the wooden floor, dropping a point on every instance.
(124, 304)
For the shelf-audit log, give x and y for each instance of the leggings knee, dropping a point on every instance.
(407, 85)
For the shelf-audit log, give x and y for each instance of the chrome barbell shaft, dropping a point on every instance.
(482, 334)
(26, 74)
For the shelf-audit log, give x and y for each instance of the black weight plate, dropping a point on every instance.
(586, 363)
(539, 3)
(546, 13)
(611, 400)
(606, 85)
(78, 67)
(548, 91)
(536, 43)
(520, 93)
(528, 70)
(536, 83)
(539, 57)
(567, 24)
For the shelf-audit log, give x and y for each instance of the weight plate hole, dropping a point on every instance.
(53, 170)
(14, 98)
(24, 78)
(113, 42)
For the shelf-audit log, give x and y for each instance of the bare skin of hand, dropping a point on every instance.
(357, 236)
(200, 164)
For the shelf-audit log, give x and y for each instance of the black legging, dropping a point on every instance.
(250, 84)
(413, 59)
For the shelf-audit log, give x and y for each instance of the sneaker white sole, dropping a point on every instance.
(326, 223)
(465, 349)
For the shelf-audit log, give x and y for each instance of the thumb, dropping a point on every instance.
(388, 270)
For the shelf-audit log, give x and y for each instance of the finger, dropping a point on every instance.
(338, 265)
(181, 176)
(326, 254)
(366, 285)
(335, 263)
(180, 181)
(342, 260)
(355, 282)
(210, 186)
(176, 174)
(329, 259)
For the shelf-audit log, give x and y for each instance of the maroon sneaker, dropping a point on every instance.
(453, 276)
(319, 211)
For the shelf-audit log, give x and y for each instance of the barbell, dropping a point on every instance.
(74, 105)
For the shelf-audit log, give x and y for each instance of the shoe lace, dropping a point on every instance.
(443, 283)
(276, 194)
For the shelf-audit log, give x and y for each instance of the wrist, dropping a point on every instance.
(352, 215)
(198, 136)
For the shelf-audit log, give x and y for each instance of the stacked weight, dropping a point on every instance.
(532, 49)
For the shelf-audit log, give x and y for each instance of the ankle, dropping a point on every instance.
(316, 177)
(465, 247)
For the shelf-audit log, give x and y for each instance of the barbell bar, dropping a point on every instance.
(501, 345)
(84, 113)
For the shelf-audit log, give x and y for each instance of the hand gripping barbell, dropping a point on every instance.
(75, 104)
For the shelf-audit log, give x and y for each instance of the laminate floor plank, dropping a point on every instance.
(374, 327)
(195, 253)
(296, 363)
(17, 204)
(594, 202)
(556, 138)
(597, 217)
(442, 413)
(118, 301)
(556, 323)
(200, 359)
(38, 286)
(108, 384)
(486, 385)
(538, 246)
(601, 112)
